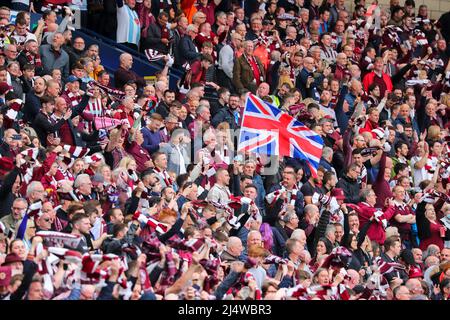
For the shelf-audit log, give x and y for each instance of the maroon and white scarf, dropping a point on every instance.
(75, 98)
(112, 93)
(34, 59)
(290, 199)
(78, 196)
(94, 108)
(165, 175)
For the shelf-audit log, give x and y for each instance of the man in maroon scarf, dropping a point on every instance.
(248, 71)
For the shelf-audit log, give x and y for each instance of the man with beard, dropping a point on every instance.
(231, 114)
(32, 100)
(349, 183)
(30, 55)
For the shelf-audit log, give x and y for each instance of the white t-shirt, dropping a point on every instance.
(128, 25)
(418, 174)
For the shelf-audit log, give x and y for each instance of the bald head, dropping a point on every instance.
(234, 246)
(354, 278)
(126, 61)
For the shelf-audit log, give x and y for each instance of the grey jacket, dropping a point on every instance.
(50, 61)
(226, 60)
(173, 156)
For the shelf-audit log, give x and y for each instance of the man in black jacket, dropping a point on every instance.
(44, 124)
(158, 35)
(163, 107)
(230, 114)
(392, 249)
(188, 50)
(32, 100)
(350, 185)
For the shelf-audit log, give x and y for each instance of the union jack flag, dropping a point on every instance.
(267, 130)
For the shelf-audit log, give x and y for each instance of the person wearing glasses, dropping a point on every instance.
(44, 222)
(19, 206)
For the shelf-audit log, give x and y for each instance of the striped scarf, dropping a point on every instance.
(330, 53)
(165, 175)
(290, 199)
(112, 93)
(94, 108)
(78, 196)
(34, 59)
(75, 98)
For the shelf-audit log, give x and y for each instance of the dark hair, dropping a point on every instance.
(168, 91)
(20, 19)
(47, 99)
(251, 185)
(357, 151)
(327, 177)
(90, 209)
(74, 207)
(389, 242)
(163, 14)
(207, 57)
(78, 216)
(118, 227)
(373, 86)
(399, 167)
(396, 9)
(328, 244)
(182, 181)
(28, 66)
(444, 284)
(399, 145)
(243, 177)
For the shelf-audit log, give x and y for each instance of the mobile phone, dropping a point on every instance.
(17, 137)
(10, 234)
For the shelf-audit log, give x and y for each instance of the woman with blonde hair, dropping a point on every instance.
(77, 167)
(28, 233)
(433, 134)
(285, 77)
(129, 164)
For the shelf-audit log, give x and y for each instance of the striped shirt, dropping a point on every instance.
(128, 25)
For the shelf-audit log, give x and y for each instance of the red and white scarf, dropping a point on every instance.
(34, 59)
(290, 198)
(165, 175)
(75, 98)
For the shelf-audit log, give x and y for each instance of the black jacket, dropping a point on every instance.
(43, 127)
(225, 115)
(32, 107)
(351, 189)
(188, 51)
(162, 109)
(6, 195)
(153, 40)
